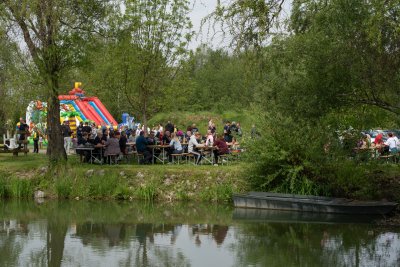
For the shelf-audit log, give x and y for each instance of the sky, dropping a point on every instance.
(202, 8)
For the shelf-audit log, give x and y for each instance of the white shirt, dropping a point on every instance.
(392, 142)
(192, 143)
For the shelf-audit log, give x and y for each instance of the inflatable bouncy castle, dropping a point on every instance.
(85, 108)
(74, 107)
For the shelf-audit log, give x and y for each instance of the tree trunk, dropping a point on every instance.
(145, 121)
(55, 148)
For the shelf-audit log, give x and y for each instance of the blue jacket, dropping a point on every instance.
(141, 144)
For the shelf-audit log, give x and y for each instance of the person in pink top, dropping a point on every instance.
(210, 138)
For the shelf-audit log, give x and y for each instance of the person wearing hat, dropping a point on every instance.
(66, 132)
(193, 144)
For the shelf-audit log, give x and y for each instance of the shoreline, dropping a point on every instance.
(29, 177)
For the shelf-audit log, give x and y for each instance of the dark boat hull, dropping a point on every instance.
(284, 216)
(273, 201)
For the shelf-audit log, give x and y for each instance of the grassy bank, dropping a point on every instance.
(184, 119)
(21, 176)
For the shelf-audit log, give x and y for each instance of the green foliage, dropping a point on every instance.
(217, 193)
(122, 192)
(146, 192)
(64, 187)
(21, 188)
(103, 186)
(4, 191)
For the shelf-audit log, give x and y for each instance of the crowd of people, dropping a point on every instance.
(390, 145)
(109, 141)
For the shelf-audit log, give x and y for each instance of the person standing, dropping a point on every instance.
(87, 129)
(23, 129)
(169, 127)
(392, 143)
(35, 137)
(66, 132)
(194, 128)
(79, 130)
(254, 133)
(227, 132)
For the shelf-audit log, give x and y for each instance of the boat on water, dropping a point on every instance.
(277, 201)
(287, 216)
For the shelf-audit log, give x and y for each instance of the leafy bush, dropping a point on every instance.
(306, 157)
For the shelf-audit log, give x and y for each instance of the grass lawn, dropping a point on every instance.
(22, 175)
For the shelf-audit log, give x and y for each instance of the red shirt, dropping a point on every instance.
(222, 146)
(378, 139)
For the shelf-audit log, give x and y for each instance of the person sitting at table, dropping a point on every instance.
(193, 145)
(122, 143)
(222, 147)
(104, 138)
(166, 138)
(141, 148)
(98, 145)
(151, 141)
(132, 137)
(112, 145)
(176, 147)
(83, 142)
(209, 138)
(234, 144)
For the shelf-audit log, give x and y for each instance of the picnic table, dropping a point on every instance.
(161, 156)
(89, 150)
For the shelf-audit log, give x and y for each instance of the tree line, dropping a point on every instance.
(326, 66)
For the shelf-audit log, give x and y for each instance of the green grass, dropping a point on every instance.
(183, 119)
(22, 176)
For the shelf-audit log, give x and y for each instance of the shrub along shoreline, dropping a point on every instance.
(22, 177)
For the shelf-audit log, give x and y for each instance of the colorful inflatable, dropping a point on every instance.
(74, 107)
(85, 108)
(36, 115)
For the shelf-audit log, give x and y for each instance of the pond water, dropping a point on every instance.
(96, 233)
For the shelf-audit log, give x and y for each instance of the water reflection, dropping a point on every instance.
(81, 233)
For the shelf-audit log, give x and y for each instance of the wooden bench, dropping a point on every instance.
(386, 158)
(112, 159)
(223, 159)
(189, 157)
(15, 151)
(177, 156)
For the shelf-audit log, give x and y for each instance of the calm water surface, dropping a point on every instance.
(81, 233)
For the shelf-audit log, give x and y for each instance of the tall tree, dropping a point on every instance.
(249, 23)
(350, 51)
(54, 32)
(159, 32)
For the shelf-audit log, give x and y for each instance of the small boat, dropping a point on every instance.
(286, 216)
(277, 201)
